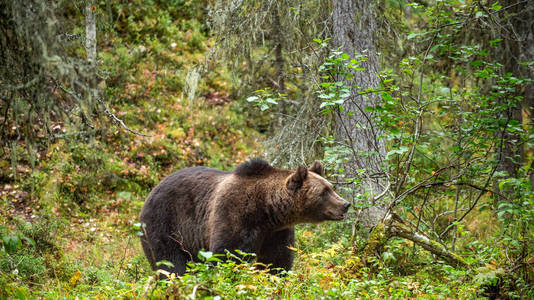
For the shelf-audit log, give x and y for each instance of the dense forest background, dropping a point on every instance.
(422, 113)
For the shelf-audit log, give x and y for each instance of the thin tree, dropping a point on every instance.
(514, 27)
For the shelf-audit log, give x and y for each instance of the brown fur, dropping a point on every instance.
(253, 209)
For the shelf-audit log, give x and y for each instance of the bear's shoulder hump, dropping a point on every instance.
(254, 167)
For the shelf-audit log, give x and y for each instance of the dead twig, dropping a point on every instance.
(107, 111)
(116, 120)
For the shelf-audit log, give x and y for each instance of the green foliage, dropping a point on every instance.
(21, 252)
(70, 208)
(11, 242)
(450, 113)
(338, 68)
(264, 99)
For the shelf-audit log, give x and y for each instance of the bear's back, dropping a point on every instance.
(178, 206)
(184, 187)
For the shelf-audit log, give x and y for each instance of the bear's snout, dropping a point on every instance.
(346, 206)
(338, 208)
(343, 208)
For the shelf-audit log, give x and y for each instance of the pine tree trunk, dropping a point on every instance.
(354, 26)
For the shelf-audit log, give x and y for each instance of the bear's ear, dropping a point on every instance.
(294, 182)
(317, 168)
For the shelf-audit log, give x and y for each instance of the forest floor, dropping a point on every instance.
(70, 221)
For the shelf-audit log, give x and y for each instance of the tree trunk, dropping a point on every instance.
(90, 32)
(90, 49)
(517, 46)
(354, 26)
(279, 80)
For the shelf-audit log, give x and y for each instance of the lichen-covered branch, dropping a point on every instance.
(393, 226)
(428, 244)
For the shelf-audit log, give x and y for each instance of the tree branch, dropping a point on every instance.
(428, 244)
(394, 226)
(116, 120)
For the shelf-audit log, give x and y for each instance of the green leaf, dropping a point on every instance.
(345, 56)
(252, 98)
(29, 241)
(204, 255)
(137, 226)
(502, 183)
(344, 93)
(165, 263)
(401, 150)
(480, 14)
(387, 96)
(271, 100)
(495, 42)
(413, 35)
(388, 256)
(11, 243)
(124, 195)
(496, 6)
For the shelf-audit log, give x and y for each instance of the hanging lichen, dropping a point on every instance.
(44, 80)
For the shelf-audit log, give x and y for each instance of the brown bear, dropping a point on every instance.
(253, 209)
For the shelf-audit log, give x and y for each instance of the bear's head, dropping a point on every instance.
(315, 196)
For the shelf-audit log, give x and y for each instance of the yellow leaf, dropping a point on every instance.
(245, 286)
(325, 282)
(74, 279)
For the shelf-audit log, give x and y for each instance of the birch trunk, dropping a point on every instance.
(90, 32)
(90, 49)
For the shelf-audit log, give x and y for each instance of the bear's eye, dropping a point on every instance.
(325, 192)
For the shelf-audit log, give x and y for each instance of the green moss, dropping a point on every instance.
(457, 258)
(377, 235)
(376, 241)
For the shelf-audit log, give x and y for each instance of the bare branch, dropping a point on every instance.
(116, 120)
(107, 111)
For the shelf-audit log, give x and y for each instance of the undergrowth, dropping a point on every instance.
(66, 228)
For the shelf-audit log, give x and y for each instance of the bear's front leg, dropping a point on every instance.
(275, 250)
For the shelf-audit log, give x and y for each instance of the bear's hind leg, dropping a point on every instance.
(179, 261)
(157, 250)
(176, 257)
